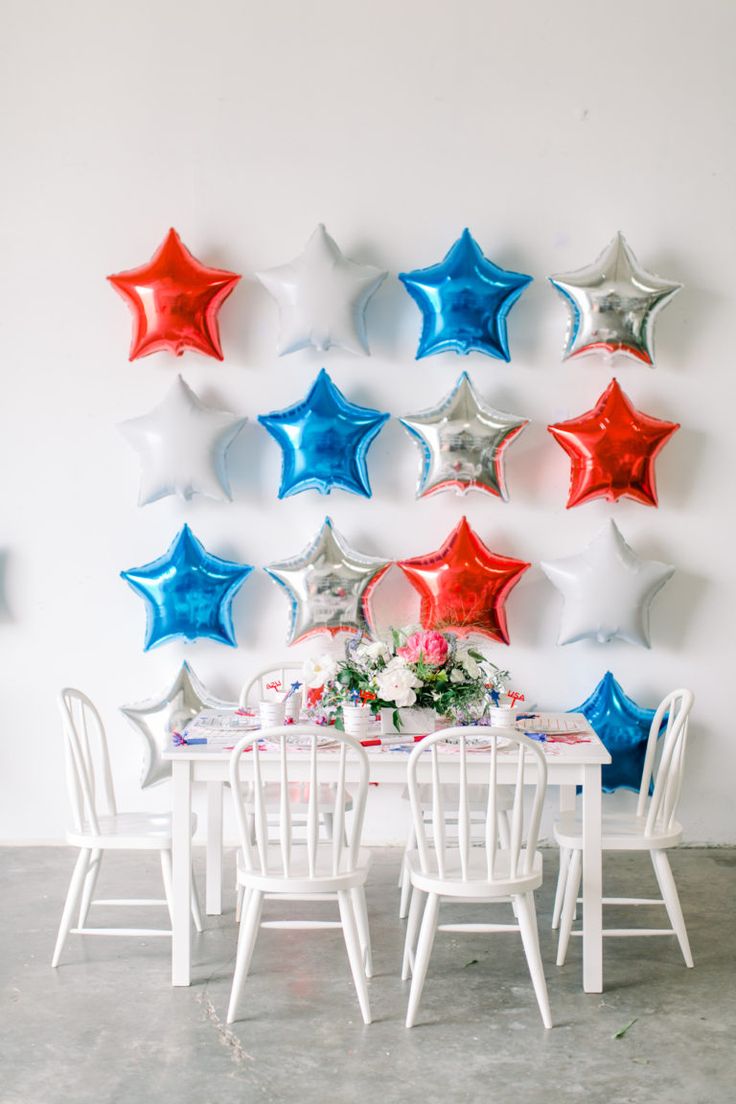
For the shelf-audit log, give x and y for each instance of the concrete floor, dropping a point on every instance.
(107, 1027)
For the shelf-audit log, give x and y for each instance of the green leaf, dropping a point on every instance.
(397, 720)
(622, 1031)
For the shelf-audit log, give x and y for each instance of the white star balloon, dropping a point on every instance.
(613, 305)
(322, 297)
(157, 718)
(462, 442)
(182, 444)
(607, 590)
(328, 585)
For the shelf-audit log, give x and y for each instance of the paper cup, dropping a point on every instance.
(356, 719)
(272, 713)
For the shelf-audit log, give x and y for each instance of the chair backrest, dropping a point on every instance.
(667, 775)
(89, 778)
(254, 690)
(289, 743)
(449, 775)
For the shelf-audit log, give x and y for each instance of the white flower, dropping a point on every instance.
(456, 675)
(397, 684)
(372, 652)
(318, 670)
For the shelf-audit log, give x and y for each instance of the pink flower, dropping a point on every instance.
(430, 646)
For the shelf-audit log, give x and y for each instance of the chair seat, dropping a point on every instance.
(621, 832)
(298, 797)
(452, 884)
(477, 797)
(139, 831)
(299, 879)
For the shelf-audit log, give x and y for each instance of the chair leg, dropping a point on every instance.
(239, 895)
(527, 915)
(88, 889)
(404, 880)
(246, 942)
(561, 882)
(166, 877)
(196, 910)
(572, 888)
(75, 888)
(424, 950)
(350, 933)
(668, 889)
(364, 932)
(412, 927)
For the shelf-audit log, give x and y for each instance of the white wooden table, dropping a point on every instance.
(569, 765)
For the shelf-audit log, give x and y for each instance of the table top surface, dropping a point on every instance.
(581, 748)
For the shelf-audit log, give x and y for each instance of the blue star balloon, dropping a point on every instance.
(623, 726)
(324, 441)
(464, 301)
(188, 592)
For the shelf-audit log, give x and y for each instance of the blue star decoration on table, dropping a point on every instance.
(464, 301)
(623, 727)
(188, 592)
(324, 441)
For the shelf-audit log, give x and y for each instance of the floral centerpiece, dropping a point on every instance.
(421, 670)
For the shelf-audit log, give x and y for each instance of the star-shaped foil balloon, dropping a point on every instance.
(607, 590)
(612, 449)
(322, 297)
(329, 585)
(623, 727)
(157, 718)
(175, 301)
(182, 444)
(324, 441)
(188, 592)
(464, 301)
(463, 585)
(462, 442)
(613, 305)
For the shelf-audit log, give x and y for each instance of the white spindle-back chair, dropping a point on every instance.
(652, 827)
(466, 868)
(273, 863)
(98, 826)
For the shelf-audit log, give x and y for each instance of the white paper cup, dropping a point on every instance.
(272, 713)
(294, 706)
(502, 716)
(356, 719)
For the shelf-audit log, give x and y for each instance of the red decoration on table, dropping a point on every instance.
(612, 449)
(464, 586)
(175, 301)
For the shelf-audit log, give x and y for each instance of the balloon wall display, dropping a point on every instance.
(613, 305)
(607, 590)
(324, 441)
(188, 592)
(182, 444)
(464, 301)
(322, 298)
(462, 442)
(612, 449)
(328, 586)
(158, 718)
(463, 585)
(623, 727)
(174, 300)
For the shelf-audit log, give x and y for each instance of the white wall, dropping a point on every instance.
(544, 128)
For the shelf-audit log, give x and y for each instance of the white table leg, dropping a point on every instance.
(567, 799)
(181, 923)
(213, 876)
(592, 882)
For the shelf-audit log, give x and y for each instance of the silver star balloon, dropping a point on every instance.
(157, 718)
(328, 585)
(322, 297)
(613, 305)
(607, 590)
(182, 444)
(462, 442)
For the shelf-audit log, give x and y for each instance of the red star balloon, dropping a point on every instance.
(175, 301)
(463, 586)
(612, 449)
